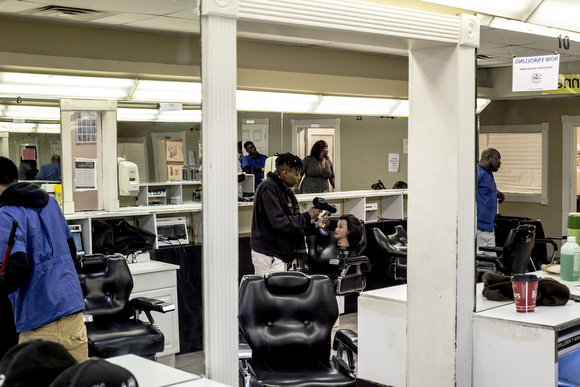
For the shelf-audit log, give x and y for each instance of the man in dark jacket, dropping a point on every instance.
(39, 276)
(278, 227)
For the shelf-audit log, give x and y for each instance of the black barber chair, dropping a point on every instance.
(513, 257)
(394, 247)
(286, 319)
(113, 326)
(503, 226)
(324, 257)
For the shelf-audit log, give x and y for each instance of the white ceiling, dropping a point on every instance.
(497, 48)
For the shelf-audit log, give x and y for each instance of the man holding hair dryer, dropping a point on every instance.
(278, 227)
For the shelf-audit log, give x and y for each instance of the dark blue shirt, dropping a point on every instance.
(260, 162)
(49, 172)
(486, 199)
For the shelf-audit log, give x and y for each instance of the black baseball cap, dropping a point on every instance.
(34, 363)
(95, 372)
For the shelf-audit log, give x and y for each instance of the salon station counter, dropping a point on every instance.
(509, 348)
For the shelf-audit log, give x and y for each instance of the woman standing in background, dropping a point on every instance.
(317, 169)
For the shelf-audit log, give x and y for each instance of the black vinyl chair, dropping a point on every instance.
(394, 248)
(504, 224)
(511, 258)
(540, 251)
(285, 322)
(324, 257)
(113, 326)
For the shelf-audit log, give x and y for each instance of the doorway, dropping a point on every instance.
(306, 132)
(256, 131)
(570, 167)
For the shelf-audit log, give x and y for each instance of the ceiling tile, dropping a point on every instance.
(13, 6)
(558, 14)
(152, 7)
(122, 18)
(167, 24)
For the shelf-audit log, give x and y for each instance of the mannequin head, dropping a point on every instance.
(348, 232)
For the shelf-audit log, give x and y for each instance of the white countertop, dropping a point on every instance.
(556, 317)
(150, 267)
(151, 374)
(392, 293)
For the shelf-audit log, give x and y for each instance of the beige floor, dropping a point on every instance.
(193, 362)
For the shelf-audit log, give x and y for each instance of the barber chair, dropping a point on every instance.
(113, 326)
(324, 257)
(394, 246)
(285, 322)
(540, 251)
(513, 257)
(504, 224)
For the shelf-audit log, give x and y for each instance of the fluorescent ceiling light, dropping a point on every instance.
(275, 102)
(514, 9)
(30, 128)
(130, 114)
(48, 128)
(557, 13)
(402, 109)
(180, 116)
(57, 86)
(481, 104)
(530, 28)
(360, 106)
(32, 112)
(159, 91)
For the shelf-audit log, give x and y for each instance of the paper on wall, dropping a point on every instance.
(393, 162)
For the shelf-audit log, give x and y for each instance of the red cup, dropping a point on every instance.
(525, 292)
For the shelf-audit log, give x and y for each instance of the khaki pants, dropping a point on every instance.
(264, 264)
(70, 331)
(485, 238)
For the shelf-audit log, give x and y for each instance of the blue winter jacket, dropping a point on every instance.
(48, 285)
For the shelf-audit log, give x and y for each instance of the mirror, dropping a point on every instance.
(361, 145)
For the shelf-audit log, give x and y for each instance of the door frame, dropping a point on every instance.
(569, 154)
(332, 123)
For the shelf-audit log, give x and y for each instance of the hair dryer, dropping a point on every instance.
(322, 204)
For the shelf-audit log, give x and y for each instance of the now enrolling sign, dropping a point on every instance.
(535, 73)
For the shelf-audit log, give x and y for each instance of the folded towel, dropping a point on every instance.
(498, 287)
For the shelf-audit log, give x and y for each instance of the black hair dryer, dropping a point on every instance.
(322, 204)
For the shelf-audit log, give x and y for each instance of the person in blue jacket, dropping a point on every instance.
(487, 198)
(40, 276)
(254, 162)
(50, 171)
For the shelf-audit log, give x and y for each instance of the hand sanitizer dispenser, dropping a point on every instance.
(128, 178)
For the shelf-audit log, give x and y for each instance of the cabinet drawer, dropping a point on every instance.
(157, 280)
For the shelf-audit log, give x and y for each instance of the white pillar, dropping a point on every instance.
(220, 209)
(441, 215)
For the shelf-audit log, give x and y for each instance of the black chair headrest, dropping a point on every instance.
(287, 282)
(93, 263)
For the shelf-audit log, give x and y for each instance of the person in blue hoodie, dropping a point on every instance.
(40, 276)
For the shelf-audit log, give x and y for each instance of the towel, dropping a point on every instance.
(498, 287)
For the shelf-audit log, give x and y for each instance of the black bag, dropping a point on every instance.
(118, 236)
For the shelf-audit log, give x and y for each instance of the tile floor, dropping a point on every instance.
(193, 362)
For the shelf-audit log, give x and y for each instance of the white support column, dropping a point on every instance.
(441, 216)
(107, 179)
(220, 211)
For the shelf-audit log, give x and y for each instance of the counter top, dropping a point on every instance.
(392, 293)
(151, 267)
(556, 317)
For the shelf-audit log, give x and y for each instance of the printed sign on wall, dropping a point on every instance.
(535, 73)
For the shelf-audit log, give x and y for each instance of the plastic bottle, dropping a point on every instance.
(570, 260)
